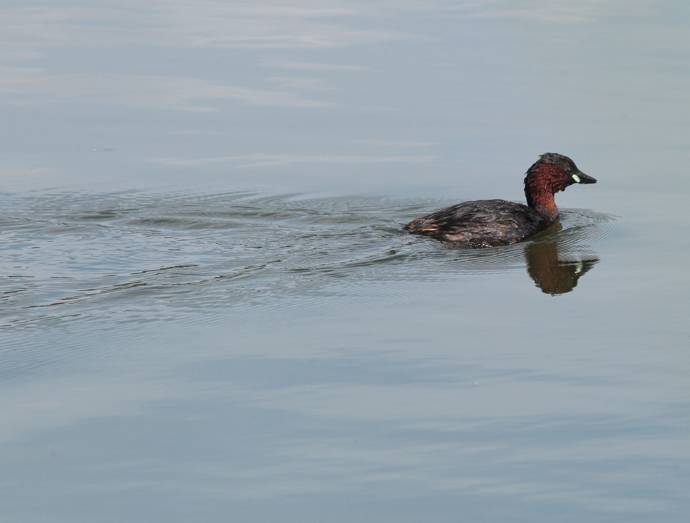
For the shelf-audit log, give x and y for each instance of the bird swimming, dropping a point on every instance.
(488, 223)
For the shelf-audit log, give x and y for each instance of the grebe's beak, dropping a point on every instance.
(580, 177)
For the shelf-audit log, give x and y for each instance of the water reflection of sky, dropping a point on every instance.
(242, 90)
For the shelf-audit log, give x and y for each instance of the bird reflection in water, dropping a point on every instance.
(555, 259)
(554, 267)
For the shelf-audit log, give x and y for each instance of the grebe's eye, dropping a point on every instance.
(576, 178)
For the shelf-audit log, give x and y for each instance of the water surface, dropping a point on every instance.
(208, 309)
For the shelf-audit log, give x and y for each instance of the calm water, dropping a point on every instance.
(208, 311)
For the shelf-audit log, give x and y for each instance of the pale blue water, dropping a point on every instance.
(208, 311)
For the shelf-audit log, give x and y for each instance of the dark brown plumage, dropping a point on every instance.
(487, 223)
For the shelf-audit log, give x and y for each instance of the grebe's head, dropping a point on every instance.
(553, 172)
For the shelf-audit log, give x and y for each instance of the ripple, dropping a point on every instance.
(89, 256)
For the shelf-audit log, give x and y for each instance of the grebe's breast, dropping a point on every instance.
(481, 223)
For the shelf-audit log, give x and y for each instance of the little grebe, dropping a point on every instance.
(487, 223)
